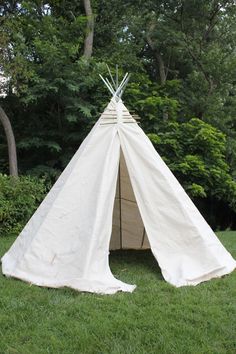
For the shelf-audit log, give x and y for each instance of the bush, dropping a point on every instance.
(19, 198)
(196, 153)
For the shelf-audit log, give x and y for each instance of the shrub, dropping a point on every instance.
(196, 153)
(19, 198)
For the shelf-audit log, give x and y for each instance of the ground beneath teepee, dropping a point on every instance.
(156, 318)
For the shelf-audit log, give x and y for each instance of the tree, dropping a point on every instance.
(12, 156)
(181, 54)
(195, 152)
(88, 43)
(43, 54)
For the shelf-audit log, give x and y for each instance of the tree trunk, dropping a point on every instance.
(160, 62)
(88, 44)
(161, 67)
(12, 156)
(157, 54)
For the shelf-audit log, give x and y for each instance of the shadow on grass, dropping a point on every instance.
(141, 261)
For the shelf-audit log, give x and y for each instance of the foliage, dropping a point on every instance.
(51, 109)
(154, 103)
(19, 198)
(155, 318)
(193, 44)
(195, 152)
(181, 55)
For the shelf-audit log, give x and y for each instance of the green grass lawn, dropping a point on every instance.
(156, 318)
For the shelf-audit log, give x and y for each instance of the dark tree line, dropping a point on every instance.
(181, 55)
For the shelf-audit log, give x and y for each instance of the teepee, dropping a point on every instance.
(116, 192)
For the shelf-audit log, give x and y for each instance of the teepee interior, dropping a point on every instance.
(128, 231)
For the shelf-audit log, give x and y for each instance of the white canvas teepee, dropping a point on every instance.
(67, 240)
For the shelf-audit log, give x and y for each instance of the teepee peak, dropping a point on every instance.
(114, 87)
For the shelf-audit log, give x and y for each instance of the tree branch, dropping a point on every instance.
(213, 19)
(201, 67)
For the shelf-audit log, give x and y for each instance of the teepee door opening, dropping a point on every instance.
(128, 231)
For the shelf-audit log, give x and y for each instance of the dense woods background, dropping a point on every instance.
(182, 57)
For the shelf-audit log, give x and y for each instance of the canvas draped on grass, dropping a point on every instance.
(66, 242)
